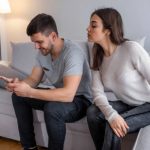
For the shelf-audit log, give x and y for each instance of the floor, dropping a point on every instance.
(7, 144)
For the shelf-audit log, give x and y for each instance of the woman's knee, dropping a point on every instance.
(94, 114)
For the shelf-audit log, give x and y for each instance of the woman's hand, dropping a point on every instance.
(119, 126)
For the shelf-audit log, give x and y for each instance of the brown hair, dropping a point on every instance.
(112, 20)
(43, 23)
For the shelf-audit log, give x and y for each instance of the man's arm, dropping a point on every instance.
(31, 81)
(64, 94)
(36, 76)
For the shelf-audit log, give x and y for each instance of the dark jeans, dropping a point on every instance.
(56, 114)
(103, 136)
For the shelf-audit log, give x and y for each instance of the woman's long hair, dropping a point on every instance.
(112, 20)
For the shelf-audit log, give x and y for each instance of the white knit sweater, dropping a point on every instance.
(126, 73)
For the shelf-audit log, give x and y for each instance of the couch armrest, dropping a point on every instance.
(4, 63)
(142, 141)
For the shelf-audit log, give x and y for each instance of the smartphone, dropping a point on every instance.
(8, 80)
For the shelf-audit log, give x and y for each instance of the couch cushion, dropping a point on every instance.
(6, 106)
(23, 56)
(78, 126)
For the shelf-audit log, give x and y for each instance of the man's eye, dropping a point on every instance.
(94, 26)
(40, 42)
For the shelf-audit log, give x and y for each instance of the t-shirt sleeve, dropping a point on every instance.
(37, 60)
(100, 99)
(141, 60)
(73, 62)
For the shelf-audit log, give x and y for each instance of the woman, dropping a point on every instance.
(120, 66)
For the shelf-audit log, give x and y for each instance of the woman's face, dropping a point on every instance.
(96, 32)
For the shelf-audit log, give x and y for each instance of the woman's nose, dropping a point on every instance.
(88, 28)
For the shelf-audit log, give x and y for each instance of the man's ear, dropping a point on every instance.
(53, 36)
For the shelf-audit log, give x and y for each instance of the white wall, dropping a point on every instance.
(72, 17)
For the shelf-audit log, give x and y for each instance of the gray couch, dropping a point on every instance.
(77, 136)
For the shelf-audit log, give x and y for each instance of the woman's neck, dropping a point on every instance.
(109, 48)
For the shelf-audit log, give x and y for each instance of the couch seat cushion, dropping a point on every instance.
(6, 106)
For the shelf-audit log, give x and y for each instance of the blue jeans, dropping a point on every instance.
(56, 114)
(103, 136)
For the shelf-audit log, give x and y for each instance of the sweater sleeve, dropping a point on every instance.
(141, 60)
(100, 99)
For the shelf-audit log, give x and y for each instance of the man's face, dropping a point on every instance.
(43, 43)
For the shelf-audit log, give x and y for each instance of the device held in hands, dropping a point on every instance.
(7, 80)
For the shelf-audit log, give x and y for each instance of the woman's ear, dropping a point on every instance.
(107, 31)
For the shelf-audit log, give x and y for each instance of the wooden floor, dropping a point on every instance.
(7, 144)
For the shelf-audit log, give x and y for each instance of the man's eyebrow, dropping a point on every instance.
(93, 21)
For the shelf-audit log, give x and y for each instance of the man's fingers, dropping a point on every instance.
(15, 80)
(6, 79)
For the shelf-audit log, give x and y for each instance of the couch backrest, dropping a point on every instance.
(23, 55)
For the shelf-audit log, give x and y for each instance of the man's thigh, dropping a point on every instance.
(24, 102)
(68, 111)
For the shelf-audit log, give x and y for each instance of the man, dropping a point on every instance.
(66, 68)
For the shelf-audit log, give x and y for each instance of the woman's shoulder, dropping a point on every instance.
(131, 44)
(133, 48)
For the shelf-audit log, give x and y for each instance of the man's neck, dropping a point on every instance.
(57, 48)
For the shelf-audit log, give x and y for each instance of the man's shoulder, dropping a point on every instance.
(71, 45)
(72, 48)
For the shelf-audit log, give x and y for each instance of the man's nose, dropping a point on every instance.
(37, 46)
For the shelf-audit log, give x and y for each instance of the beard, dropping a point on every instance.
(48, 50)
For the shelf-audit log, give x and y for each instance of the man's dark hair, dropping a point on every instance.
(42, 23)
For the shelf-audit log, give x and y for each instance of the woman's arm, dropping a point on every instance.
(141, 60)
(100, 98)
(117, 123)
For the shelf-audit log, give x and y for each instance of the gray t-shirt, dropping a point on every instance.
(71, 61)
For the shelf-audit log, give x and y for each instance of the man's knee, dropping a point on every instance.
(53, 110)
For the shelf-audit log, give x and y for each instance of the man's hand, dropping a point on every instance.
(119, 126)
(21, 89)
(8, 82)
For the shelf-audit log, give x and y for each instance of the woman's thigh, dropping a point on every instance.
(94, 112)
(137, 117)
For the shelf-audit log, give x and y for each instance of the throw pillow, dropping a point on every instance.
(10, 73)
(23, 56)
(141, 41)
